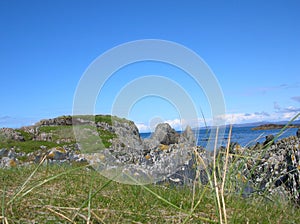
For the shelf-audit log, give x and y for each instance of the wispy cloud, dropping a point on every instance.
(277, 107)
(238, 118)
(16, 122)
(296, 98)
(266, 89)
(264, 114)
(289, 109)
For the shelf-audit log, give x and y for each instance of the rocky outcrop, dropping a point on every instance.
(7, 134)
(274, 169)
(64, 120)
(166, 156)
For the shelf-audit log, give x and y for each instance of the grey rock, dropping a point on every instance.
(188, 137)
(3, 153)
(7, 162)
(10, 134)
(279, 168)
(128, 136)
(298, 133)
(57, 154)
(269, 139)
(64, 120)
(165, 134)
(12, 154)
(43, 137)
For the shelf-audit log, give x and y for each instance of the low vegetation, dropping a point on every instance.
(62, 135)
(79, 194)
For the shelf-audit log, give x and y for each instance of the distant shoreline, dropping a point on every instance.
(274, 126)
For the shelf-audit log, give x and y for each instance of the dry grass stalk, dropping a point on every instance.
(224, 175)
(215, 177)
(60, 215)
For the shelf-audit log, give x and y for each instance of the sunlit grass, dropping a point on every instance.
(80, 195)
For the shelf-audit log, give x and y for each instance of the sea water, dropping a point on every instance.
(244, 136)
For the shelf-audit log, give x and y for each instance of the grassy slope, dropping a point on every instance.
(62, 132)
(65, 198)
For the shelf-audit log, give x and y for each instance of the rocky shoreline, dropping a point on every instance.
(166, 157)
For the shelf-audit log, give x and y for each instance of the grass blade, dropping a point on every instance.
(27, 180)
(166, 201)
(44, 182)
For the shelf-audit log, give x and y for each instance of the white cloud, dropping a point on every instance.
(233, 118)
(240, 118)
(176, 123)
(143, 128)
(289, 109)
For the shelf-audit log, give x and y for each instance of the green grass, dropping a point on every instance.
(102, 118)
(28, 146)
(77, 194)
(59, 133)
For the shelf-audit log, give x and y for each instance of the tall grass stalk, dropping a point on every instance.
(224, 175)
(216, 187)
(27, 180)
(4, 220)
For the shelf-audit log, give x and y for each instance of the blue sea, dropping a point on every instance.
(242, 135)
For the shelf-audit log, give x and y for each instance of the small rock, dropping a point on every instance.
(57, 153)
(3, 153)
(6, 162)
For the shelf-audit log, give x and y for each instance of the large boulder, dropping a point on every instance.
(127, 134)
(165, 134)
(298, 133)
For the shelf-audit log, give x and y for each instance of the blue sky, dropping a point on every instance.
(253, 48)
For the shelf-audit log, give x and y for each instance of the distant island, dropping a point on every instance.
(274, 126)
